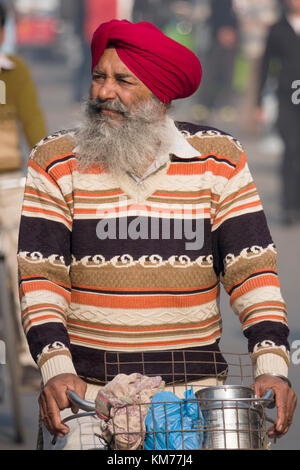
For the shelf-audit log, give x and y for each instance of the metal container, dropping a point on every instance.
(233, 418)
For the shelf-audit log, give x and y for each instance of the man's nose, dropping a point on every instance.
(107, 91)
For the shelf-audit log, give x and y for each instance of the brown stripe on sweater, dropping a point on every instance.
(246, 265)
(262, 310)
(55, 272)
(221, 145)
(50, 355)
(191, 201)
(137, 276)
(234, 200)
(55, 147)
(271, 350)
(58, 207)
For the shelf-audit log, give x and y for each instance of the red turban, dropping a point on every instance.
(167, 68)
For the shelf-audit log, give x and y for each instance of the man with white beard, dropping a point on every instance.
(98, 305)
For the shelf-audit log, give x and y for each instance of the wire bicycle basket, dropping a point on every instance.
(209, 415)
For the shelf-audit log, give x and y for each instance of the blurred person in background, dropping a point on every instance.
(154, 11)
(19, 107)
(86, 15)
(255, 17)
(283, 49)
(9, 44)
(216, 91)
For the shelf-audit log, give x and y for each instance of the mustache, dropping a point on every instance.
(95, 106)
(147, 112)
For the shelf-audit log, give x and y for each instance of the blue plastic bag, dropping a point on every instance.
(173, 423)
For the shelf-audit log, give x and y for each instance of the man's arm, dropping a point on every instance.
(245, 259)
(45, 289)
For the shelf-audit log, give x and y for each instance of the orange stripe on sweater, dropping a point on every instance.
(57, 158)
(63, 168)
(45, 285)
(39, 170)
(29, 310)
(96, 195)
(237, 209)
(32, 322)
(146, 302)
(126, 209)
(265, 317)
(242, 191)
(200, 168)
(46, 212)
(62, 284)
(252, 284)
(44, 196)
(145, 344)
(261, 305)
(243, 280)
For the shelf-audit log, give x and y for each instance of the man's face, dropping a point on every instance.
(114, 82)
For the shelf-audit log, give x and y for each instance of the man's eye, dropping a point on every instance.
(121, 80)
(98, 77)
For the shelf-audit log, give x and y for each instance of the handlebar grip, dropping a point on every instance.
(80, 402)
(269, 396)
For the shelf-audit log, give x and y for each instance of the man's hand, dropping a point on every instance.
(285, 400)
(53, 398)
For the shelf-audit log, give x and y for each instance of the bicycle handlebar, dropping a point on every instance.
(80, 402)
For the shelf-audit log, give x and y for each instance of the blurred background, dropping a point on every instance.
(249, 89)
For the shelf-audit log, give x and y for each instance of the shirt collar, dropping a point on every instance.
(180, 146)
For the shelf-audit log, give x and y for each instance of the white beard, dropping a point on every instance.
(130, 144)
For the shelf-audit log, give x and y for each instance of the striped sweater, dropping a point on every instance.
(111, 269)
